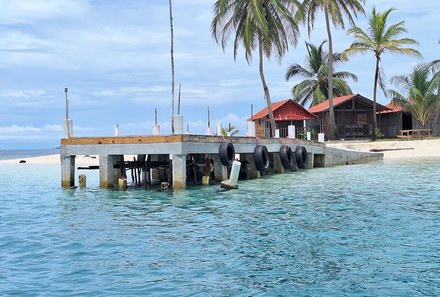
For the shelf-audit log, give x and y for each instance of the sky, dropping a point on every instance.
(114, 58)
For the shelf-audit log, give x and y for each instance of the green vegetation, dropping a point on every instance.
(420, 96)
(334, 11)
(230, 131)
(314, 89)
(380, 38)
(266, 25)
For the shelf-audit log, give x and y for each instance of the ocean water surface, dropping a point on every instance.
(361, 230)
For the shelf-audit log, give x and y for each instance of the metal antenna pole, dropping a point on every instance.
(67, 103)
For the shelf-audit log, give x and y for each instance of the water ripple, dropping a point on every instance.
(365, 230)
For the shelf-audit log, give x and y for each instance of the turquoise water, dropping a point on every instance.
(363, 230)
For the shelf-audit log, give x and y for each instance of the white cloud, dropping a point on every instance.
(26, 11)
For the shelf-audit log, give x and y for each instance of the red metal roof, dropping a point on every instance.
(285, 110)
(324, 106)
(393, 107)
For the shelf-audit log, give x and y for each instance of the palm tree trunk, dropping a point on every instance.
(172, 67)
(332, 123)
(376, 78)
(265, 88)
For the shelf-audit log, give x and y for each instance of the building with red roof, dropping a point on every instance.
(286, 112)
(353, 116)
(391, 121)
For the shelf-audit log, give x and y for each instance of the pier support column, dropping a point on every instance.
(277, 165)
(67, 171)
(253, 172)
(108, 175)
(311, 158)
(179, 171)
(220, 171)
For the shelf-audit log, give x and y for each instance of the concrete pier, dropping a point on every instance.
(181, 149)
(108, 175)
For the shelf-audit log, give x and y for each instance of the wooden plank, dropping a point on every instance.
(121, 140)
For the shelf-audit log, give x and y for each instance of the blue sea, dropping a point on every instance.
(360, 230)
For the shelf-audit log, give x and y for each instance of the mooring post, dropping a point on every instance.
(108, 175)
(82, 180)
(67, 170)
(179, 171)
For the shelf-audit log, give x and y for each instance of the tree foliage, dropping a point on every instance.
(314, 88)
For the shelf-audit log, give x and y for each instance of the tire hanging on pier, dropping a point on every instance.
(302, 159)
(226, 153)
(261, 157)
(287, 158)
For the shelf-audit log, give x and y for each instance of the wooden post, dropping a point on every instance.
(82, 180)
(122, 184)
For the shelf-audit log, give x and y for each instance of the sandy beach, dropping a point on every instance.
(392, 149)
(54, 160)
(395, 149)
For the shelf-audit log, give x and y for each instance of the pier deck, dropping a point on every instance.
(178, 148)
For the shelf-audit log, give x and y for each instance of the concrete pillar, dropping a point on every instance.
(108, 176)
(277, 165)
(310, 157)
(220, 171)
(67, 171)
(179, 171)
(319, 160)
(253, 172)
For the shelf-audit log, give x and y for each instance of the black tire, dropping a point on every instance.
(287, 158)
(227, 153)
(261, 157)
(302, 159)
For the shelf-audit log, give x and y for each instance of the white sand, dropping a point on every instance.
(396, 149)
(55, 160)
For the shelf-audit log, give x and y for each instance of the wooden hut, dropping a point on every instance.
(353, 116)
(391, 121)
(286, 112)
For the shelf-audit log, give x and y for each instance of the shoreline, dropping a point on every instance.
(392, 149)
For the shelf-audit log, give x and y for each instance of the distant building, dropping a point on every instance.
(353, 116)
(391, 121)
(396, 118)
(286, 112)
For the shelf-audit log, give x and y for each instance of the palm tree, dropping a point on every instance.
(380, 38)
(314, 88)
(172, 65)
(334, 11)
(230, 131)
(268, 25)
(420, 88)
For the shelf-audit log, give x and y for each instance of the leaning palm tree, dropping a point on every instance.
(334, 11)
(380, 38)
(315, 88)
(266, 25)
(420, 92)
